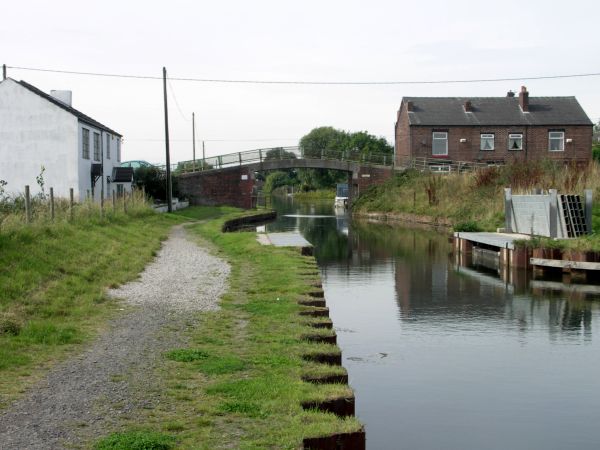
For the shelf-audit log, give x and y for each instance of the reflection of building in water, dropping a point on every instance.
(427, 285)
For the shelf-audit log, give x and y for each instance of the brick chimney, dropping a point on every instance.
(409, 106)
(468, 106)
(524, 99)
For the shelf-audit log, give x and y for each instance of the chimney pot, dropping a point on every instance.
(468, 106)
(510, 94)
(524, 99)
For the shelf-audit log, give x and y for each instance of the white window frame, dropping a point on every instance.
(118, 149)
(97, 144)
(85, 143)
(560, 138)
(483, 136)
(439, 136)
(107, 146)
(515, 136)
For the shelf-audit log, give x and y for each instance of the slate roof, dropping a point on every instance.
(81, 116)
(495, 111)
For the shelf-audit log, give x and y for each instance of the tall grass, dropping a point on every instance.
(13, 214)
(53, 278)
(476, 197)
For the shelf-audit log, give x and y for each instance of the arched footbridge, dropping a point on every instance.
(231, 179)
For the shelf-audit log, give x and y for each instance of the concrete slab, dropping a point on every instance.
(500, 240)
(263, 239)
(289, 239)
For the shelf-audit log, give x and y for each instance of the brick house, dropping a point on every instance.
(493, 129)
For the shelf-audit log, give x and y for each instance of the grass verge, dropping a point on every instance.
(475, 201)
(239, 383)
(53, 279)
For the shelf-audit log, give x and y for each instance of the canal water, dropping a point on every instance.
(448, 357)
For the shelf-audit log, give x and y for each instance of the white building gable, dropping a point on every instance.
(38, 130)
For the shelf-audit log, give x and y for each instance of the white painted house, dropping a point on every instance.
(39, 129)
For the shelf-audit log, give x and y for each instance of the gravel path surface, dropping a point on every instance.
(82, 397)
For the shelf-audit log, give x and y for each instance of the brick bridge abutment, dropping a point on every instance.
(235, 186)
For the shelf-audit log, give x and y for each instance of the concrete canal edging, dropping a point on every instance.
(248, 220)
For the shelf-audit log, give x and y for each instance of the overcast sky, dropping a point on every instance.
(282, 40)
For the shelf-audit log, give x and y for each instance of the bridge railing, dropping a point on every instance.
(445, 165)
(279, 153)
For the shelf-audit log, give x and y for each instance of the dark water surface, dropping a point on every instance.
(442, 357)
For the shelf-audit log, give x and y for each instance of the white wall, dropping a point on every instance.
(107, 141)
(35, 133)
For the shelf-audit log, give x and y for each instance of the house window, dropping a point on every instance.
(440, 143)
(96, 147)
(118, 150)
(515, 141)
(107, 146)
(487, 141)
(556, 141)
(120, 190)
(85, 143)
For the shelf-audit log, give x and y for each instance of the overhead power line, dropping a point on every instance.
(176, 102)
(213, 140)
(305, 82)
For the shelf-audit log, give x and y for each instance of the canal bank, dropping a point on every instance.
(441, 355)
(264, 370)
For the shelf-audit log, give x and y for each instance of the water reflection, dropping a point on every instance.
(473, 358)
(428, 281)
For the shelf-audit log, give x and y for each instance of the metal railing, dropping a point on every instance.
(444, 165)
(279, 153)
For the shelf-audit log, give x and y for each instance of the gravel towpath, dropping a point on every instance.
(81, 398)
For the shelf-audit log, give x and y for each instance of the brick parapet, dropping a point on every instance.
(231, 186)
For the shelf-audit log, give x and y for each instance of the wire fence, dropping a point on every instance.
(46, 209)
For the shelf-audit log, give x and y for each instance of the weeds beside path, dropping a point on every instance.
(113, 379)
(239, 383)
(53, 279)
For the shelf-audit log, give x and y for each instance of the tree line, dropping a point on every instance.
(326, 140)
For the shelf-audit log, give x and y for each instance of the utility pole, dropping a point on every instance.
(194, 138)
(3, 71)
(169, 188)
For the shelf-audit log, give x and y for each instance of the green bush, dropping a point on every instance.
(468, 226)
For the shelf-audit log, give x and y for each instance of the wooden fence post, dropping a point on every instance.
(102, 203)
(52, 204)
(71, 204)
(114, 201)
(125, 202)
(27, 205)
